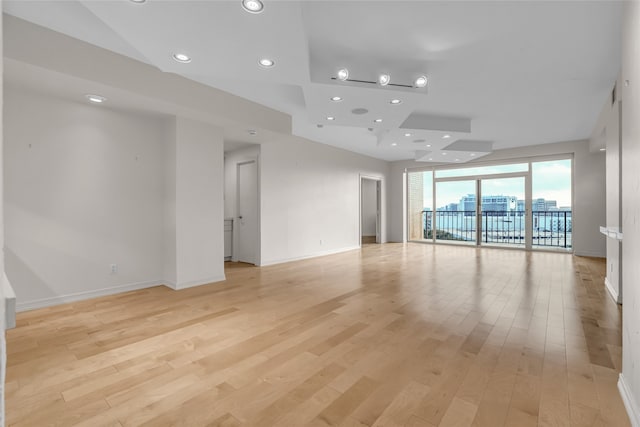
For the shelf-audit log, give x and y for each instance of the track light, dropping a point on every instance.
(421, 81)
(343, 74)
(384, 79)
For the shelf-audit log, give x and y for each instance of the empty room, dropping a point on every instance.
(320, 213)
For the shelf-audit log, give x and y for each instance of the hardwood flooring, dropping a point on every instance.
(392, 335)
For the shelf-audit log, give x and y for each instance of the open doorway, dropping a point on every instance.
(370, 209)
(242, 207)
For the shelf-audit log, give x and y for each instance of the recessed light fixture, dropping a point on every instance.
(393, 144)
(266, 63)
(343, 74)
(407, 134)
(430, 158)
(444, 154)
(447, 136)
(378, 120)
(330, 118)
(252, 132)
(428, 145)
(421, 81)
(252, 6)
(336, 98)
(472, 154)
(395, 102)
(181, 57)
(603, 149)
(457, 160)
(138, 1)
(384, 79)
(96, 99)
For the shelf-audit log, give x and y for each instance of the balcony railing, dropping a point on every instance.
(550, 229)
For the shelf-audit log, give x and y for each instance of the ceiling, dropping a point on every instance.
(500, 74)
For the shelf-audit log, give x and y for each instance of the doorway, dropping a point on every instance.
(246, 221)
(370, 210)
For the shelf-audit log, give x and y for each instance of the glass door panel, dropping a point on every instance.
(551, 204)
(455, 216)
(502, 213)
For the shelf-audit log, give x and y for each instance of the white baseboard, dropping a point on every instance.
(194, 283)
(313, 255)
(629, 402)
(612, 290)
(64, 299)
(590, 254)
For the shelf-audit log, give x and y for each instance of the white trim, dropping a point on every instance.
(612, 291)
(629, 402)
(9, 303)
(591, 254)
(195, 283)
(313, 255)
(63, 299)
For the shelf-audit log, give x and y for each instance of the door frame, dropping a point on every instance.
(257, 249)
(381, 215)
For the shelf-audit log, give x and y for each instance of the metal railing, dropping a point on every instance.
(550, 229)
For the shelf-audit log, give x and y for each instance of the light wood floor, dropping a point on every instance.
(393, 335)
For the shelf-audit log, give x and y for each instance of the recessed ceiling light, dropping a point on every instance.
(266, 63)
(343, 74)
(472, 154)
(252, 132)
(378, 120)
(407, 134)
(252, 6)
(395, 102)
(457, 160)
(428, 145)
(96, 99)
(421, 81)
(384, 79)
(444, 154)
(603, 149)
(336, 98)
(447, 136)
(430, 158)
(138, 1)
(330, 118)
(393, 144)
(181, 57)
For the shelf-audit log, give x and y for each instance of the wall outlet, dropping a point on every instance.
(114, 268)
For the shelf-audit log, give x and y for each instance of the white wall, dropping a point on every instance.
(629, 383)
(84, 189)
(199, 203)
(589, 192)
(613, 173)
(310, 197)
(369, 207)
(3, 346)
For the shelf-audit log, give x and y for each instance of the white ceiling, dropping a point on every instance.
(520, 72)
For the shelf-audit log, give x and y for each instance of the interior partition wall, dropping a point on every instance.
(520, 204)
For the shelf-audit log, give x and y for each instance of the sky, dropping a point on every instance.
(551, 181)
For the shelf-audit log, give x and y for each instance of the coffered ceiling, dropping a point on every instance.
(500, 74)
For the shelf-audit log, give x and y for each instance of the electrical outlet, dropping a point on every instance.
(114, 268)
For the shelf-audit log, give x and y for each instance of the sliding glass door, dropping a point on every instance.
(524, 204)
(503, 212)
(455, 215)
